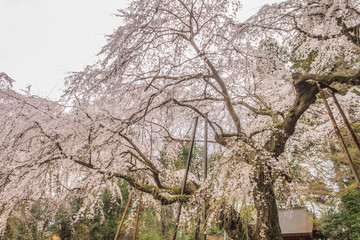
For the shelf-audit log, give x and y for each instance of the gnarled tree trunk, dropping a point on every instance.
(267, 224)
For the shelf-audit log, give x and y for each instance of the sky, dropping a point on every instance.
(41, 41)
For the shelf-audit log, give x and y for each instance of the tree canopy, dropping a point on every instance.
(128, 115)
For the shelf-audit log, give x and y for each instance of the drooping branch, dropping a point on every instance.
(231, 221)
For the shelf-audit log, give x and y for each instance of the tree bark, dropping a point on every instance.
(164, 227)
(267, 225)
(197, 229)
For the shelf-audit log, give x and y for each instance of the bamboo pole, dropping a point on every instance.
(205, 171)
(352, 133)
(124, 214)
(337, 131)
(185, 178)
(205, 145)
(138, 214)
(197, 228)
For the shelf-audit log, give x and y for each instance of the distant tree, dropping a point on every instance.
(343, 223)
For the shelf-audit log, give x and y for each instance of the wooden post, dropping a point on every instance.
(352, 133)
(205, 145)
(197, 228)
(337, 131)
(138, 214)
(124, 214)
(205, 172)
(185, 178)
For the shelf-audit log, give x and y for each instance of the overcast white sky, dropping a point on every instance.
(42, 40)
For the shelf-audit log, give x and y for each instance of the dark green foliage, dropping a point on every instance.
(196, 166)
(25, 225)
(66, 228)
(344, 224)
(332, 225)
(351, 200)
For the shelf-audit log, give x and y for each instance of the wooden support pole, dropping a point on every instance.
(205, 172)
(352, 133)
(337, 131)
(124, 214)
(138, 214)
(197, 228)
(205, 145)
(185, 178)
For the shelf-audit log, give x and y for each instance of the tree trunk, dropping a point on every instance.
(267, 225)
(197, 229)
(267, 219)
(163, 222)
